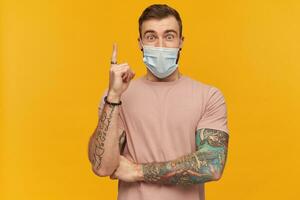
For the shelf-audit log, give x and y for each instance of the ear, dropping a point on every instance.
(139, 41)
(181, 43)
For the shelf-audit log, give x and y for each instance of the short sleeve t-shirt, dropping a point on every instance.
(160, 120)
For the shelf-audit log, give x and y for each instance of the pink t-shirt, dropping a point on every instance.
(160, 120)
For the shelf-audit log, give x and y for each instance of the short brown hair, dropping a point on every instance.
(159, 11)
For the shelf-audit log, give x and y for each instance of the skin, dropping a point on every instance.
(103, 150)
(100, 137)
(161, 33)
(208, 161)
(205, 164)
(103, 144)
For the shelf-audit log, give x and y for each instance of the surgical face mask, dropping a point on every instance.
(161, 61)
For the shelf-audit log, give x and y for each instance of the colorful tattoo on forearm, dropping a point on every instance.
(100, 135)
(206, 164)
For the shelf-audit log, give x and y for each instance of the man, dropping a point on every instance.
(170, 130)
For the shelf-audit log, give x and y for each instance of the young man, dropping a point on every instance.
(170, 130)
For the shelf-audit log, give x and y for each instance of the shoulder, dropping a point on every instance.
(207, 90)
(134, 89)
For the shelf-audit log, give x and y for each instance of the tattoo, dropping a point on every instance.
(100, 135)
(122, 142)
(206, 164)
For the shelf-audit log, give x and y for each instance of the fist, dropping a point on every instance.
(120, 75)
(128, 171)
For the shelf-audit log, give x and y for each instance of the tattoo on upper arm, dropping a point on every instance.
(206, 164)
(100, 135)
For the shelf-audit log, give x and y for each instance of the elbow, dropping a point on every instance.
(103, 172)
(99, 172)
(217, 175)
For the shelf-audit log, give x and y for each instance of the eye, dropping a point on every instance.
(150, 37)
(170, 37)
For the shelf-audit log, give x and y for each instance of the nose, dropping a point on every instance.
(159, 43)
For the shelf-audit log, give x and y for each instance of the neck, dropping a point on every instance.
(172, 77)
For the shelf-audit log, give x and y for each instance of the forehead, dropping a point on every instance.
(160, 25)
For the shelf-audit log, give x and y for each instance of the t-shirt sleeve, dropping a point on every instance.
(100, 108)
(215, 113)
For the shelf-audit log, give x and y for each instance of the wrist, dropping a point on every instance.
(114, 98)
(139, 174)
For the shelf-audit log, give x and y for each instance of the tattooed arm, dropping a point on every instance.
(206, 164)
(104, 144)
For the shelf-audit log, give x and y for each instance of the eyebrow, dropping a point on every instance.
(166, 31)
(171, 30)
(149, 31)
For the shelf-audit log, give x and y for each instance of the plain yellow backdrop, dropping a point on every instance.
(54, 68)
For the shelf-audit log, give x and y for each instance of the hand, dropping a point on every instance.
(119, 77)
(128, 171)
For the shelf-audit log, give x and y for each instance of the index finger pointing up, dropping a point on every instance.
(114, 53)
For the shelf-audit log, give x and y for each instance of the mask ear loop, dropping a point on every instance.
(178, 54)
(142, 49)
(141, 44)
(180, 44)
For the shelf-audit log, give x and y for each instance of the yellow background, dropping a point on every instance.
(54, 68)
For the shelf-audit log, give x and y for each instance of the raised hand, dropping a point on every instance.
(120, 76)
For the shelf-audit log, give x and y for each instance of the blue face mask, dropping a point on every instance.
(161, 61)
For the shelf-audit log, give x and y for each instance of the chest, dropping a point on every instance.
(164, 108)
